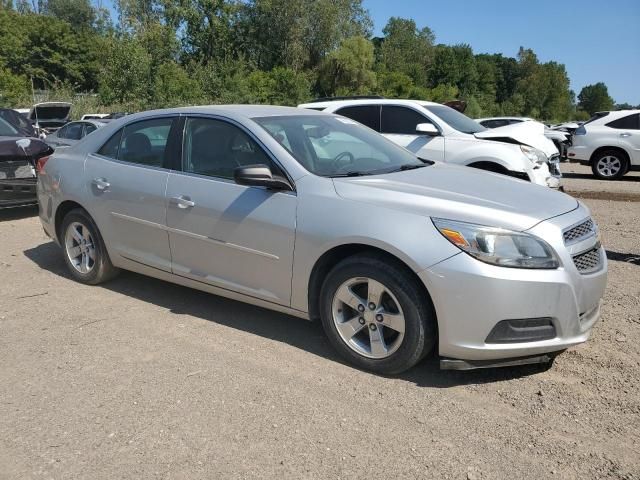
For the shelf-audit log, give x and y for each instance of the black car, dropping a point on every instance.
(20, 155)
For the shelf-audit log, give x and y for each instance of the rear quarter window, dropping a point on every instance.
(630, 122)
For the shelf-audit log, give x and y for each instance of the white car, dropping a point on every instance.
(562, 140)
(609, 142)
(436, 132)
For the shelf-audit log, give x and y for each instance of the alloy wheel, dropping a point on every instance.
(609, 166)
(80, 247)
(368, 317)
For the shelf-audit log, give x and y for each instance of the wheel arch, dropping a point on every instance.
(63, 209)
(335, 255)
(599, 150)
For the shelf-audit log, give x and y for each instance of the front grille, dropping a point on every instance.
(589, 261)
(584, 229)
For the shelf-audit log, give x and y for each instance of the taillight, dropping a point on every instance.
(40, 163)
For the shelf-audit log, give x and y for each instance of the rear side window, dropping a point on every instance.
(88, 128)
(368, 115)
(73, 131)
(401, 120)
(630, 122)
(141, 142)
(110, 149)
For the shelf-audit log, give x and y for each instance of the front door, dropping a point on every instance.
(224, 234)
(398, 123)
(127, 179)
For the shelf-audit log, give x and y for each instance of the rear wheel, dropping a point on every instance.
(375, 315)
(84, 251)
(609, 165)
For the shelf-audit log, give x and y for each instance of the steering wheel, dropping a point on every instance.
(340, 157)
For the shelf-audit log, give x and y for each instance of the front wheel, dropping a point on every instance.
(376, 316)
(609, 165)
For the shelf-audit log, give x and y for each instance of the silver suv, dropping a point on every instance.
(316, 216)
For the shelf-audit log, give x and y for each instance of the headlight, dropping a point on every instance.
(497, 246)
(533, 154)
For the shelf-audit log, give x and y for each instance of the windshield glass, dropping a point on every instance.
(335, 146)
(455, 119)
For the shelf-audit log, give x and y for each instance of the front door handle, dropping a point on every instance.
(101, 184)
(182, 201)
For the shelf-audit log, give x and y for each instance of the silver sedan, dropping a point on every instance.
(314, 215)
(72, 133)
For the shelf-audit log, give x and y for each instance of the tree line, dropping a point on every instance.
(161, 53)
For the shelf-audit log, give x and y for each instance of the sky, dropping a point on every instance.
(597, 41)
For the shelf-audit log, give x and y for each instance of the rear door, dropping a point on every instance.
(231, 236)
(398, 123)
(127, 179)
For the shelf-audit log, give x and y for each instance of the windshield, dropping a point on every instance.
(455, 119)
(333, 146)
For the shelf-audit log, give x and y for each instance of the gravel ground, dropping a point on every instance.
(143, 379)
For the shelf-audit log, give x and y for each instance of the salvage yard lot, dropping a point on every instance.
(143, 379)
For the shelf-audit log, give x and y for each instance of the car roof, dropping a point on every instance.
(380, 101)
(524, 119)
(237, 111)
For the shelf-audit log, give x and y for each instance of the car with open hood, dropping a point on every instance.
(438, 132)
(47, 117)
(317, 216)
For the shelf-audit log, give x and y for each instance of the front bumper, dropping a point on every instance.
(472, 297)
(546, 174)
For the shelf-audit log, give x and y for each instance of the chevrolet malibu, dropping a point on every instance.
(317, 216)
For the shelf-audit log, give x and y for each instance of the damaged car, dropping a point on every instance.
(440, 133)
(47, 117)
(20, 159)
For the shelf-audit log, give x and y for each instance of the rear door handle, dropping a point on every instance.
(625, 134)
(101, 184)
(182, 201)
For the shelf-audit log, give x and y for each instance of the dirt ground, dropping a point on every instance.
(141, 379)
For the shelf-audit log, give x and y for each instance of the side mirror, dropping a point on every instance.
(259, 176)
(427, 129)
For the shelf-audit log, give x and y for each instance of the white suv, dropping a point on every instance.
(436, 132)
(609, 142)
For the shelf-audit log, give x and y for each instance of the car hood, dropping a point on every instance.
(525, 133)
(459, 193)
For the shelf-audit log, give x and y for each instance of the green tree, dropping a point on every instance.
(406, 49)
(595, 98)
(349, 69)
(80, 14)
(125, 77)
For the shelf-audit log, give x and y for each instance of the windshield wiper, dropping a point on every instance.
(409, 166)
(349, 174)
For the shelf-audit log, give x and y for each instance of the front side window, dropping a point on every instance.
(630, 122)
(215, 148)
(368, 115)
(335, 146)
(401, 120)
(455, 119)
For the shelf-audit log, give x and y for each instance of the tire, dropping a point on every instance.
(609, 165)
(378, 344)
(83, 249)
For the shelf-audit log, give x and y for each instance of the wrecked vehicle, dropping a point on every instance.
(47, 117)
(440, 133)
(20, 159)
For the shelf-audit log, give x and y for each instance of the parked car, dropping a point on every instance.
(47, 117)
(437, 132)
(316, 216)
(20, 157)
(72, 132)
(18, 121)
(561, 139)
(609, 142)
